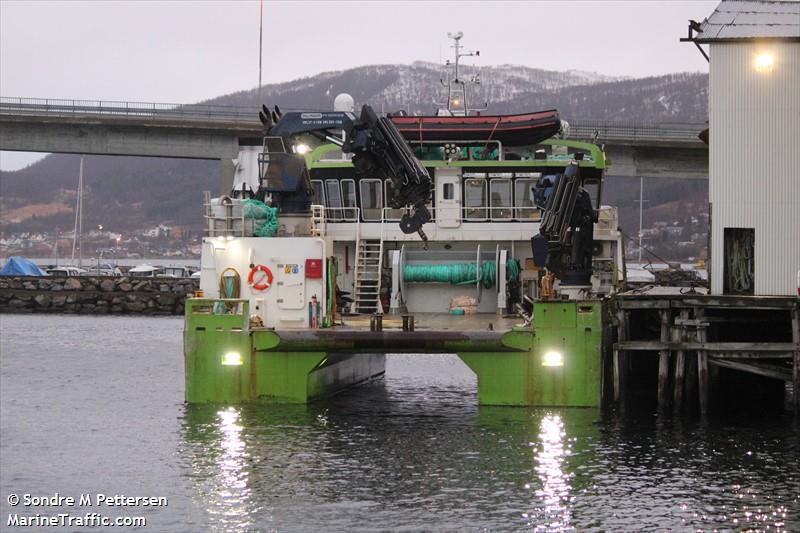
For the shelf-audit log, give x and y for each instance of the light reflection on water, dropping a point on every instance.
(414, 453)
(554, 489)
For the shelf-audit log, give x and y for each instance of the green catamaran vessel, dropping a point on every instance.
(346, 238)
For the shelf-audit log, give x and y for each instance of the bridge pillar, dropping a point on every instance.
(227, 170)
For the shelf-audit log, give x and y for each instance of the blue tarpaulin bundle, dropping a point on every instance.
(20, 266)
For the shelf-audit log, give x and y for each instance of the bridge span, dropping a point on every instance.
(203, 131)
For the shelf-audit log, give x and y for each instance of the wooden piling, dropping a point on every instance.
(663, 362)
(703, 382)
(679, 335)
(796, 361)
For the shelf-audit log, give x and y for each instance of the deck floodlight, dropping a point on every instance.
(301, 149)
(232, 359)
(553, 358)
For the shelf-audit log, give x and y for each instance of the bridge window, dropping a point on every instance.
(334, 195)
(523, 199)
(319, 192)
(391, 214)
(475, 198)
(349, 199)
(500, 198)
(371, 198)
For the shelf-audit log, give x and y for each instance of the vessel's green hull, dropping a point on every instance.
(228, 363)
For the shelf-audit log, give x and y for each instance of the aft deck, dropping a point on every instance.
(436, 322)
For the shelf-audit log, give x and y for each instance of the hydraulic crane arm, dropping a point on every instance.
(378, 150)
(566, 228)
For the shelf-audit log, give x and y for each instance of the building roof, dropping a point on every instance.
(742, 20)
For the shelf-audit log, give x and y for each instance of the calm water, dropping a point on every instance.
(95, 405)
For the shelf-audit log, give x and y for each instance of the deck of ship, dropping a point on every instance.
(431, 332)
(436, 322)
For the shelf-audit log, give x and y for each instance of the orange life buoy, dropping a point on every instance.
(263, 284)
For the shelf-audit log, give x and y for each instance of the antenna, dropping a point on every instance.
(456, 88)
(260, 46)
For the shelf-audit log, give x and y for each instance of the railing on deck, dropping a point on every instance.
(466, 214)
(226, 220)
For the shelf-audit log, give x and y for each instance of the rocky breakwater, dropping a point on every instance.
(95, 295)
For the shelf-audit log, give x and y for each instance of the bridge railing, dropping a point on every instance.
(633, 131)
(66, 107)
(605, 130)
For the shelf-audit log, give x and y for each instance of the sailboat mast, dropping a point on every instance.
(80, 217)
(78, 228)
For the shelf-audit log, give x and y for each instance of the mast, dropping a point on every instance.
(456, 87)
(260, 46)
(78, 229)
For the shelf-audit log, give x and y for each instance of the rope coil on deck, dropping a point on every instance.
(454, 274)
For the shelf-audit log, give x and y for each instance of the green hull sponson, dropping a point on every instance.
(554, 363)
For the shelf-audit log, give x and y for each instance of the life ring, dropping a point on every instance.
(261, 285)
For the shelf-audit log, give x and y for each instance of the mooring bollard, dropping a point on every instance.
(408, 322)
(376, 322)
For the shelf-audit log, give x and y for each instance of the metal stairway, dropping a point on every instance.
(369, 254)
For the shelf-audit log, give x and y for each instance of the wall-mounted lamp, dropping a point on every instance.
(764, 62)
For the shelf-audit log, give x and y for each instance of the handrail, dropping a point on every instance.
(516, 214)
(66, 107)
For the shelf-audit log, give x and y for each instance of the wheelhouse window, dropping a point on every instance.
(391, 214)
(319, 192)
(333, 195)
(500, 198)
(371, 198)
(475, 198)
(349, 199)
(523, 199)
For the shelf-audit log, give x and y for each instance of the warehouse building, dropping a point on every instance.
(754, 127)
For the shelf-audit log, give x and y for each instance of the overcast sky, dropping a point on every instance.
(182, 52)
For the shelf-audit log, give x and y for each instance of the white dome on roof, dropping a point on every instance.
(343, 102)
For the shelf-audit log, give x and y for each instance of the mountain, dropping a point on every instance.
(128, 193)
(577, 95)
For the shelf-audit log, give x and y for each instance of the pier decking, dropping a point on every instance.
(697, 334)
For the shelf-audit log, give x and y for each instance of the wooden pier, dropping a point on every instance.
(695, 335)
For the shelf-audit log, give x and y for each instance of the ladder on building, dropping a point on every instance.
(369, 262)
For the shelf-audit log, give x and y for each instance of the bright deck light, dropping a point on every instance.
(764, 62)
(553, 358)
(301, 148)
(232, 359)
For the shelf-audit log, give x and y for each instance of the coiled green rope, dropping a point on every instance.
(455, 274)
(513, 269)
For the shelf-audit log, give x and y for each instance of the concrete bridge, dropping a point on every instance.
(200, 131)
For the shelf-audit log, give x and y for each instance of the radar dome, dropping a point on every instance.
(343, 102)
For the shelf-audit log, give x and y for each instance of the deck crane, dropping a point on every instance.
(566, 228)
(378, 150)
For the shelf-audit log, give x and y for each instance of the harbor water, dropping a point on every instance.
(95, 405)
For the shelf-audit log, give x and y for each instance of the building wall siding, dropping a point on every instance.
(754, 157)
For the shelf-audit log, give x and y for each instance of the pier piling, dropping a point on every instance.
(796, 361)
(679, 336)
(663, 362)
